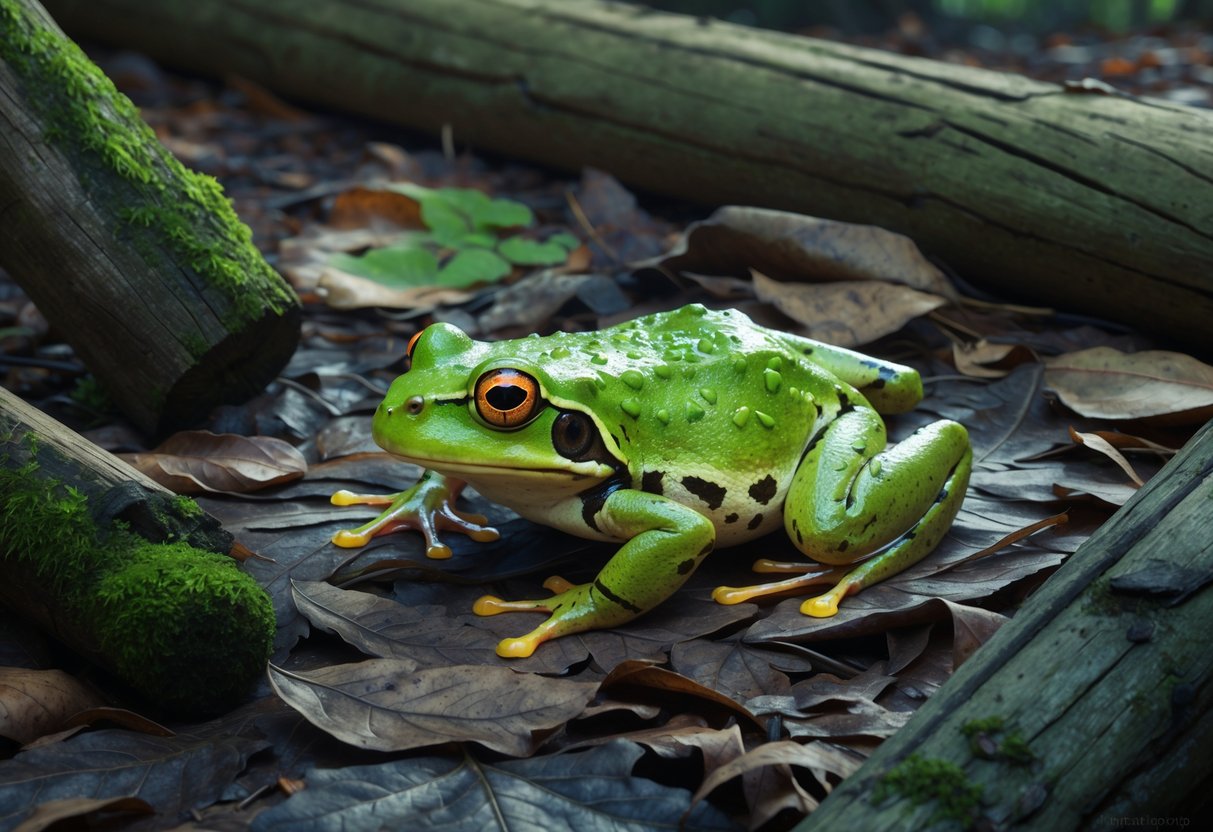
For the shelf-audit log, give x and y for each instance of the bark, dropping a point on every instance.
(140, 264)
(178, 624)
(1104, 675)
(1090, 201)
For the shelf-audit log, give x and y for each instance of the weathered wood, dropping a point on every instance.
(141, 265)
(1099, 203)
(1105, 675)
(122, 571)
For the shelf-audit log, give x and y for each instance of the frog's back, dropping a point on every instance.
(708, 409)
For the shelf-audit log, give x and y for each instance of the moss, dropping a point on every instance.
(183, 627)
(922, 780)
(984, 742)
(166, 205)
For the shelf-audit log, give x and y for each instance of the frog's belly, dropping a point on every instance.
(741, 507)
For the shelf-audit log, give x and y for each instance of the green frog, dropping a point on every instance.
(671, 434)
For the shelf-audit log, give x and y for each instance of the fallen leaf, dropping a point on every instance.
(822, 760)
(587, 790)
(731, 667)
(984, 359)
(175, 774)
(79, 809)
(386, 705)
(971, 628)
(361, 206)
(636, 674)
(347, 291)
(1100, 445)
(194, 462)
(847, 314)
(1106, 383)
(37, 702)
(789, 246)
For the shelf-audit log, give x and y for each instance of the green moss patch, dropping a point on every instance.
(185, 628)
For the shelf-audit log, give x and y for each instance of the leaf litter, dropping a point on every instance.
(378, 648)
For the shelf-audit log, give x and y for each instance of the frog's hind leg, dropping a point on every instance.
(851, 497)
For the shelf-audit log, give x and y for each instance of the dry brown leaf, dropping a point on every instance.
(346, 291)
(983, 359)
(50, 813)
(1105, 383)
(37, 702)
(360, 207)
(196, 462)
(797, 247)
(971, 628)
(821, 759)
(1100, 445)
(386, 705)
(847, 314)
(645, 675)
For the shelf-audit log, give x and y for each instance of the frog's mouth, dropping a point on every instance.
(577, 472)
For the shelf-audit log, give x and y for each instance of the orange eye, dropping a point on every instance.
(412, 343)
(507, 398)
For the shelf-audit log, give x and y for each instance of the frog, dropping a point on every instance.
(671, 434)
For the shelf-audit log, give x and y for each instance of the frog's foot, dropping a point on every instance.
(427, 507)
(572, 608)
(812, 574)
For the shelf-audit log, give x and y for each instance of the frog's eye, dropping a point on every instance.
(413, 343)
(573, 434)
(507, 398)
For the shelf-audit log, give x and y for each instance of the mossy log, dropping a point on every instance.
(1091, 707)
(124, 572)
(140, 264)
(1095, 202)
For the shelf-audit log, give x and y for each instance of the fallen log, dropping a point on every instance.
(122, 571)
(1095, 202)
(1089, 709)
(141, 265)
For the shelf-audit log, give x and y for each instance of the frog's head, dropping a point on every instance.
(492, 414)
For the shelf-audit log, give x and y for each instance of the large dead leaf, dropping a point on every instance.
(847, 314)
(195, 462)
(787, 246)
(37, 702)
(174, 775)
(384, 704)
(1106, 383)
(590, 791)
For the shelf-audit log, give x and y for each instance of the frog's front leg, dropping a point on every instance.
(428, 507)
(665, 542)
(850, 497)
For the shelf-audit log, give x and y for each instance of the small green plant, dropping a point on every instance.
(468, 240)
(922, 780)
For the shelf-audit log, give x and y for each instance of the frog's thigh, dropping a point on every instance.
(665, 543)
(851, 496)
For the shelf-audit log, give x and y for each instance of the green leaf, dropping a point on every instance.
(394, 266)
(526, 252)
(443, 218)
(503, 213)
(565, 239)
(473, 265)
